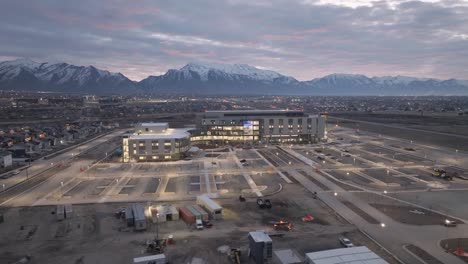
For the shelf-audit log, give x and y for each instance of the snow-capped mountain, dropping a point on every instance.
(350, 84)
(219, 78)
(202, 78)
(24, 74)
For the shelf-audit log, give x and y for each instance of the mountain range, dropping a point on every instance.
(214, 79)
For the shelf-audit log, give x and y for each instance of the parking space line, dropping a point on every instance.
(284, 177)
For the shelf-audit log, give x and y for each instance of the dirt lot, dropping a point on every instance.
(93, 234)
(405, 213)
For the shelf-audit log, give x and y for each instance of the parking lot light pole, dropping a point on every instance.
(157, 226)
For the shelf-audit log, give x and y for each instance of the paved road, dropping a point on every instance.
(41, 170)
(394, 235)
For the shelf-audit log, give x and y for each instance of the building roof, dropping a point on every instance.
(5, 153)
(151, 124)
(287, 256)
(352, 255)
(208, 202)
(167, 134)
(260, 236)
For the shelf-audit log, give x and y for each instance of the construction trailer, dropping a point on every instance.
(60, 212)
(139, 218)
(260, 247)
(214, 210)
(204, 214)
(186, 215)
(68, 211)
(166, 212)
(154, 259)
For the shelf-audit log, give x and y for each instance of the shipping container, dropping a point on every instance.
(260, 247)
(204, 214)
(194, 211)
(68, 211)
(186, 215)
(214, 210)
(60, 212)
(139, 217)
(154, 259)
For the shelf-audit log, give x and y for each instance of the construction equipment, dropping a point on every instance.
(438, 172)
(282, 225)
(234, 256)
(156, 246)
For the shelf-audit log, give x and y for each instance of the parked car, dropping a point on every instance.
(267, 203)
(242, 160)
(15, 172)
(346, 242)
(450, 223)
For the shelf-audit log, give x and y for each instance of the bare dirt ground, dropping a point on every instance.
(405, 213)
(94, 235)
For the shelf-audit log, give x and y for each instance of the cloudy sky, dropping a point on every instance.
(304, 38)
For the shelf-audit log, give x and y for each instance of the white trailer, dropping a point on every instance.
(154, 259)
(214, 210)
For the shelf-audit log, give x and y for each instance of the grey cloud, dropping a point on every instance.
(139, 38)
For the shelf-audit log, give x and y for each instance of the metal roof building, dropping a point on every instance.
(352, 255)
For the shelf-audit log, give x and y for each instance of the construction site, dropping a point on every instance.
(361, 192)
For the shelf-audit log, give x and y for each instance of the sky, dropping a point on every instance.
(305, 39)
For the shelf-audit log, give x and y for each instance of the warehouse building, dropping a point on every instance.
(266, 126)
(155, 142)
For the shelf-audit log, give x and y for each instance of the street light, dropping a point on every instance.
(347, 173)
(385, 191)
(336, 194)
(382, 225)
(3, 185)
(157, 227)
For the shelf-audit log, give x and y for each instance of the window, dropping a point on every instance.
(141, 158)
(281, 122)
(290, 121)
(167, 157)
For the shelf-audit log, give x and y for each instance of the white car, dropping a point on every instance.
(15, 172)
(346, 242)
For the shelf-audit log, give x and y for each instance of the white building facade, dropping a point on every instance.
(155, 142)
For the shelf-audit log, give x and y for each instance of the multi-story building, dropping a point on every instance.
(155, 142)
(266, 126)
